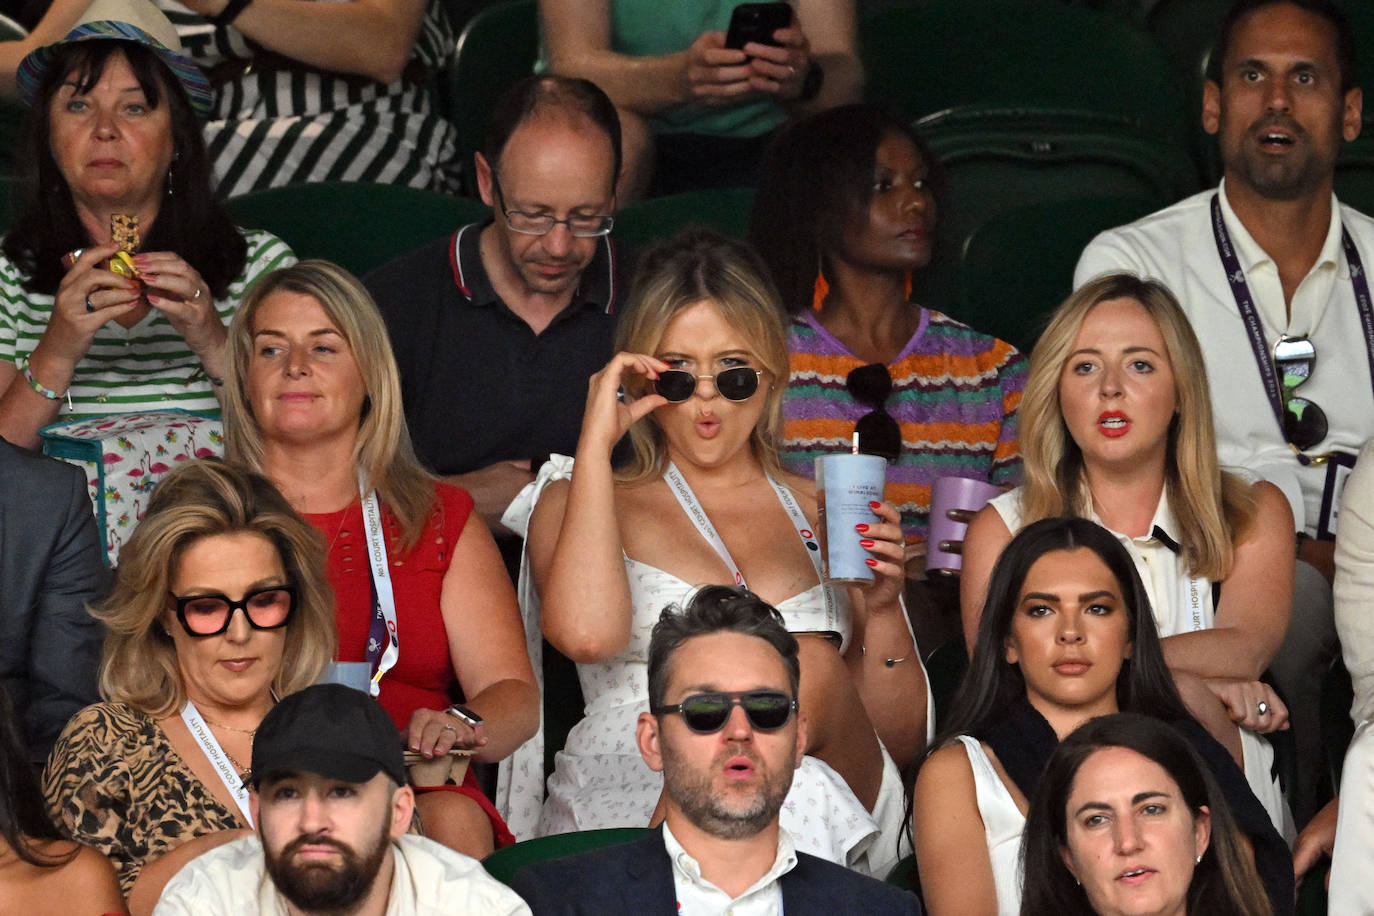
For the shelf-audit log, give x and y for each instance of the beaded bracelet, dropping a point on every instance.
(38, 386)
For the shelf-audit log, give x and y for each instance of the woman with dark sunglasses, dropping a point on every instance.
(1066, 635)
(702, 500)
(219, 606)
(1117, 424)
(844, 214)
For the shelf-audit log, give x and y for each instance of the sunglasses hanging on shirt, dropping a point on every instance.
(1304, 423)
(879, 434)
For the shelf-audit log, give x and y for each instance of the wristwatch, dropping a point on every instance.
(463, 714)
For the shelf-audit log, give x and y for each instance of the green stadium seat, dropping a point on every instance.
(357, 225)
(496, 49)
(929, 56)
(659, 218)
(1000, 159)
(1017, 268)
(504, 863)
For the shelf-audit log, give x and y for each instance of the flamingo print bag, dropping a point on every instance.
(125, 455)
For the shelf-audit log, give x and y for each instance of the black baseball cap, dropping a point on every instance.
(329, 729)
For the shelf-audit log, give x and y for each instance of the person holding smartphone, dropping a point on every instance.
(671, 71)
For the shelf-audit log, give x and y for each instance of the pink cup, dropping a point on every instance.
(953, 493)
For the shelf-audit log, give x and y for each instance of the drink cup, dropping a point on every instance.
(351, 674)
(845, 485)
(953, 493)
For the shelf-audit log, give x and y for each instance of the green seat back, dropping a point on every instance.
(1000, 159)
(1017, 268)
(927, 56)
(659, 218)
(357, 225)
(496, 49)
(504, 863)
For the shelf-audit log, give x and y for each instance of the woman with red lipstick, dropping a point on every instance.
(1128, 820)
(1066, 635)
(313, 400)
(844, 214)
(113, 133)
(702, 500)
(219, 606)
(1118, 428)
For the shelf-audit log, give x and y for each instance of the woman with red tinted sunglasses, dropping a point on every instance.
(220, 604)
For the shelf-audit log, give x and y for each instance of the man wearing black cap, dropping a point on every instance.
(331, 807)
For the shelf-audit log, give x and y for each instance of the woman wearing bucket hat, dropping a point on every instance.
(308, 91)
(122, 268)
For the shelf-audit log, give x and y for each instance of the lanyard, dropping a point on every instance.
(697, 514)
(1245, 303)
(383, 646)
(218, 759)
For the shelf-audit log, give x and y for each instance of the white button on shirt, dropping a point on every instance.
(697, 896)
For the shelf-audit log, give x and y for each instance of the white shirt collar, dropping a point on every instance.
(1251, 255)
(764, 895)
(1163, 521)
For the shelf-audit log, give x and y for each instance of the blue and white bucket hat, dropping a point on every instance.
(121, 20)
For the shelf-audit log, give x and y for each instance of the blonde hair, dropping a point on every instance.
(1214, 509)
(197, 500)
(700, 265)
(382, 448)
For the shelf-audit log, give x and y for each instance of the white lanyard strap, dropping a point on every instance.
(697, 514)
(385, 610)
(209, 744)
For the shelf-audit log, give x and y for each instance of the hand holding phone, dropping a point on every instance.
(756, 22)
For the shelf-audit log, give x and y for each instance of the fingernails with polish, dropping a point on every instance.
(862, 529)
(871, 562)
(866, 544)
(874, 504)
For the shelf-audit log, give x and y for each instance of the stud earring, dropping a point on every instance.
(1198, 860)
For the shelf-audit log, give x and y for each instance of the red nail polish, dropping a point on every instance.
(875, 505)
(871, 562)
(866, 544)
(862, 529)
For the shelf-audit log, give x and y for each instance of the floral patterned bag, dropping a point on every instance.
(125, 455)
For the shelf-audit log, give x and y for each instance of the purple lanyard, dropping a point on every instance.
(1250, 315)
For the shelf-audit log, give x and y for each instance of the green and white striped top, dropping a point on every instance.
(145, 367)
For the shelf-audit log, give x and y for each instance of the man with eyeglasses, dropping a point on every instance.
(725, 730)
(1271, 270)
(497, 328)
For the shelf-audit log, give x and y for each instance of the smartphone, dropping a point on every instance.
(757, 22)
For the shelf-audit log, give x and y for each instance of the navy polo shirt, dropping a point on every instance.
(479, 385)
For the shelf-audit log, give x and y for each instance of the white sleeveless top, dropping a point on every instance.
(600, 779)
(1003, 825)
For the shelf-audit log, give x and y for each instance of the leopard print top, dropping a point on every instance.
(115, 783)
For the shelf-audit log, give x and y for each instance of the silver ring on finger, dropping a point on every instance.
(449, 728)
(1262, 708)
(89, 306)
(196, 297)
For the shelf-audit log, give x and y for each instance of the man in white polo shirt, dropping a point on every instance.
(1271, 271)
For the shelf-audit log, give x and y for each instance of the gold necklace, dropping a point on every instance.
(250, 732)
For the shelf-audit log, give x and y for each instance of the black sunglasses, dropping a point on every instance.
(707, 713)
(879, 434)
(737, 384)
(1304, 423)
(209, 615)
